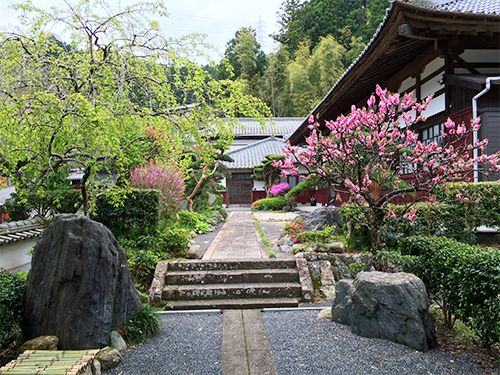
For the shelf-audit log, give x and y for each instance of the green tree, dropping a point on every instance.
(266, 172)
(327, 62)
(275, 84)
(91, 102)
(314, 19)
(247, 60)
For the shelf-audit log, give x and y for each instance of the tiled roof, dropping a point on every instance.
(76, 176)
(251, 155)
(470, 6)
(279, 126)
(21, 230)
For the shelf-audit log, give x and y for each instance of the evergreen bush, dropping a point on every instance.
(463, 279)
(270, 204)
(12, 291)
(129, 213)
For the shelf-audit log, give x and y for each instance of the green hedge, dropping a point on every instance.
(464, 280)
(270, 204)
(12, 291)
(129, 213)
(453, 217)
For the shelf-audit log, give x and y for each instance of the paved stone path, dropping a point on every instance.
(237, 239)
(245, 347)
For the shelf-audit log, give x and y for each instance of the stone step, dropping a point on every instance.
(234, 303)
(225, 291)
(230, 264)
(232, 276)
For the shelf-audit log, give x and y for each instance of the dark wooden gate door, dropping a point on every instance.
(240, 192)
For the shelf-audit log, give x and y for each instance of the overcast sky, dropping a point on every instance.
(218, 19)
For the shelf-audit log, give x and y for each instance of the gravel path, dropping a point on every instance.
(303, 344)
(188, 344)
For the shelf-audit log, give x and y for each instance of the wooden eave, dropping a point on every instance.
(410, 38)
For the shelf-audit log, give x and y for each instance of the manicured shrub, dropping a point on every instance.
(464, 280)
(16, 208)
(270, 204)
(301, 188)
(129, 213)
(143, 326)
(12, 291)
(176, 240)
(169, 180)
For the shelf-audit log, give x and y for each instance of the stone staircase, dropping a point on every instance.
(227, 284)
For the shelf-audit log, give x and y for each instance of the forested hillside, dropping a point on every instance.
(318, 40)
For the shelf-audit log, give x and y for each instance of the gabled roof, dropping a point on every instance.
(279, 126)
(409, 35)
(251, 155)
(21, 230)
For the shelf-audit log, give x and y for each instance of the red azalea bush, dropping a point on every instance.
(279, 190)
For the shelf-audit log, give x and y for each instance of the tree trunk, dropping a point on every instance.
(85, 194)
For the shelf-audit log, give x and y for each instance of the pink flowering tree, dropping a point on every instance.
(368, 152)
(169, 180)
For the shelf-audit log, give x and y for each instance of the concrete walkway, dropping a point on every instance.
(245, 346)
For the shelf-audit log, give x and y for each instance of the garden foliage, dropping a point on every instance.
(12, 291)
(143, 326)
(270, 204)
(460, 208)
(132, 212)
(464, 280)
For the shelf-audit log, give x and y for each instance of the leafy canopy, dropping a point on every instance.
(86, 85)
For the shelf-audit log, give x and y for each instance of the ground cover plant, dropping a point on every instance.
(369, 150)
(145, 324)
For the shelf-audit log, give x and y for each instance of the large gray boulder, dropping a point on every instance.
(79, 287)
(391, 306)
(342, 304)
(322, 216)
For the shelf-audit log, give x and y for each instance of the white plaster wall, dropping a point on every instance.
(224, 182)
(478, 56)
(430, 68)
(15, 255)
(406, 84)
(258, 185)
(437, 104)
